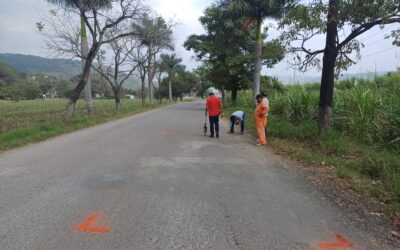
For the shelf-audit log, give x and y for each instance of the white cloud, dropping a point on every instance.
(17, 26)
(186, 14)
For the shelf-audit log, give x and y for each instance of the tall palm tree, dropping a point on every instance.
(157, 35)
(255, 12)
(170, 63)
(83, 5)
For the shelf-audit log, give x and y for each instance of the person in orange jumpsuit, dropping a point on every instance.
(260, 119)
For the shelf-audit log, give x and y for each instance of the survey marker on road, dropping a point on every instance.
(154, 181)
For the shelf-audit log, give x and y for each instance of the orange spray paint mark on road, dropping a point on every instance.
(87, 225)
(342, 242)
(166, 133)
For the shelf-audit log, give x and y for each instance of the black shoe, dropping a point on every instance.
(211, 136)
(217, 135)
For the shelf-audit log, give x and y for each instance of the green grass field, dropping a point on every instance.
(25, 122)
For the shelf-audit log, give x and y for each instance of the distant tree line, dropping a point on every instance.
(116, 39)
(23, 86)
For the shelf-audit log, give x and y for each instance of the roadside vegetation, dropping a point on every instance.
(31, 121)
(351, 126)
(363, 145)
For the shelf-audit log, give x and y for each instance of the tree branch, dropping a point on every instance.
(367, 26)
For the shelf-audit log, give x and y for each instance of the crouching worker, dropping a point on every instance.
(236, 118)
(260, 119)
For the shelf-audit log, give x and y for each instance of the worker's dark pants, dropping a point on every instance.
(214, 124)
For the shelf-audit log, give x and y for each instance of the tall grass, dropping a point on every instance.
(370, 110)
(366, 109)
(295, 104)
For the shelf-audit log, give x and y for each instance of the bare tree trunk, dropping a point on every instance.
(223, 95)
(150, 71)
(70, 110)
(150, 89)
(234, 96)
(157, 93)
(158, 76)
(117, 99)
(257, 60)
(170, 90)
(85, 52)
(143, 86)
(328, 69)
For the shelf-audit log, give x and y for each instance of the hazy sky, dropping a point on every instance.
(19, 35)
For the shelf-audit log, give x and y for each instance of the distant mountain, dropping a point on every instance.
(62, 68)
(365, 75)
(298, 79)
(132, 83)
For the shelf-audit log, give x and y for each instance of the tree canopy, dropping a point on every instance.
(227, 49)
(253, 13)
(82, 4)
(308, 21)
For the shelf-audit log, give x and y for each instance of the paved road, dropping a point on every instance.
(153, 181)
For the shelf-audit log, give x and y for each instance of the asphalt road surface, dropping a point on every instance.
(154, 181)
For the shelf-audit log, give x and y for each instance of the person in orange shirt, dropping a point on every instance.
(214, 109)
(260, 120)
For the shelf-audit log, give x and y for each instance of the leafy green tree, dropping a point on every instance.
(171, 64)
(21, 90)
(29, 91)
(225, 49)
(341, 22)
(184, 82)
(271, 84)
(187, 82)
(255, 12)
(2, 89)
(203, 83)
(7, 74)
